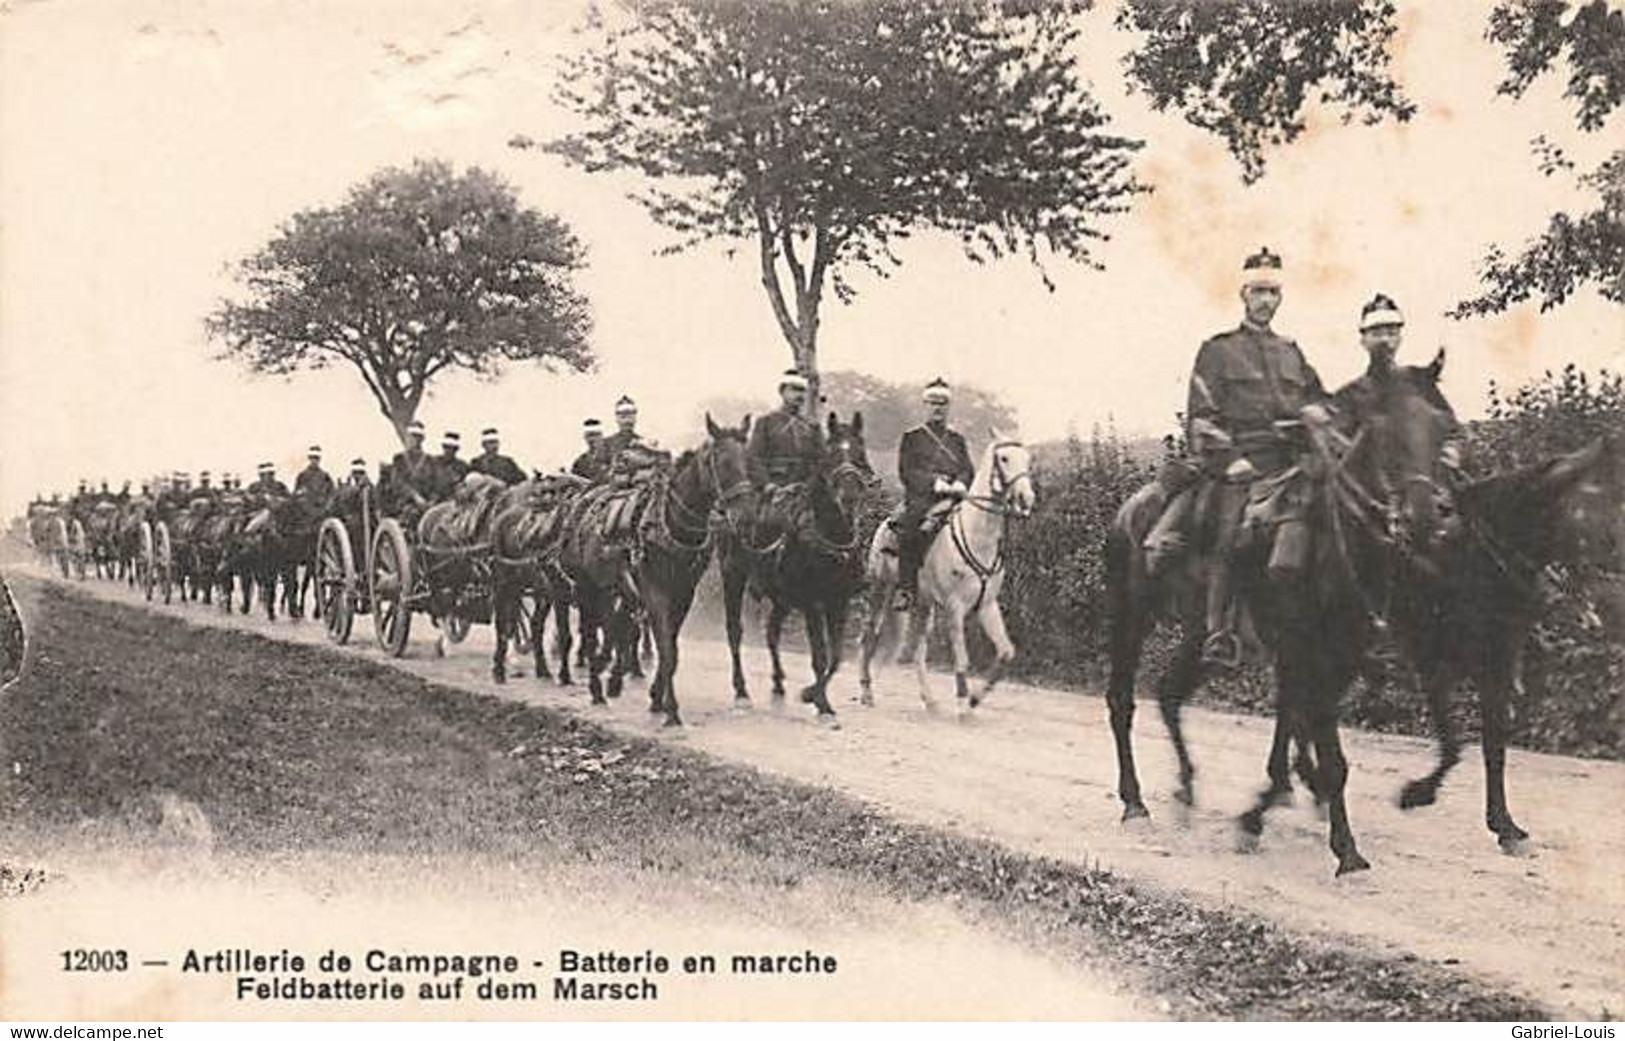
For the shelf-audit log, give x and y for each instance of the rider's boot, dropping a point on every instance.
(909, 552)
(1167, 538)
(1222, 649)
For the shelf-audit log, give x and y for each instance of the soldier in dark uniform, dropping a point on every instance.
(358, 478)
(593, 464)
(411, 475)
(205, 488)
(1244, 383)
(934, 464)
(785, 446)
(492, 462)
(268, 487)
(448, 471)
(313, 482)
(626, 427)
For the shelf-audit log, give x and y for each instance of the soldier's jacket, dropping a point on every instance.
(494, 464)
(927, 453)
(264, 487)
(313, 482)
(414, 470)
(784, 448)
(1247, 378)
(592, 466)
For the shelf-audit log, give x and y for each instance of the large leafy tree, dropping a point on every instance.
(418, 271)
(1585, 43)
(824, 132)
(1250, 71)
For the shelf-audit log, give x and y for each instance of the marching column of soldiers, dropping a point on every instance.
(1252, 391)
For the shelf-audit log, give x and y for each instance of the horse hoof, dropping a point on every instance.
(1135, 811)
(1246, 841)
(1417, 793)
(866, 699)
(498, 677)
(828, 721)
(671, 722)
(1351, 863)
(1516, 845)
(1251, 823)
(742, 703)
(1185, 796)
(440, 647)
(809, 695)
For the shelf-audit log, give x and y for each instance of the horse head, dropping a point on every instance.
(1008, 467)
(726, 472)
(846, 467)
(1404, 437)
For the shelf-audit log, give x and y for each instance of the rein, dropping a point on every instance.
(998, 504)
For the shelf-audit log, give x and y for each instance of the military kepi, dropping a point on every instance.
(1379, 312)
(936, 392)
(625, 406)
(793, 378)
(1262, 269)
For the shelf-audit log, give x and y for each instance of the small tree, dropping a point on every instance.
(418, 271)
(826, 132)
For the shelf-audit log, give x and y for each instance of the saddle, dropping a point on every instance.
(623, 509)
(933, 521)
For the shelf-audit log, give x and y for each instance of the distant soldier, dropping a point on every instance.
(593, 464)
(492, 462)
(313, 483)
(411, 473)
(448, 470)
(205, 486)
(268, 486)
(358, 475)
(785, 446)
(626, 427)
(934, 464)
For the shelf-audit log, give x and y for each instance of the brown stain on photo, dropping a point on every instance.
(1192, 224)
(1513, 336)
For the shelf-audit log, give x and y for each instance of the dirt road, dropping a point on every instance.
(1034, 771)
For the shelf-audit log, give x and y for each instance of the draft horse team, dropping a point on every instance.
(1301, 527)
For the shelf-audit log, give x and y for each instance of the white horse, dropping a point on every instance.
(962, 573)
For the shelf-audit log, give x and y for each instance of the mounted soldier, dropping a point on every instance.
(448, 470)
(492, 462)
(626, 424)
(934, 464)
(358, 478)
(411, 477)
(593, 464)
(1250, 386)
(785, 446)
(313, 483)
(205, 486)
(268, 487)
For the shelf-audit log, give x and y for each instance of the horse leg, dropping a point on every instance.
(561, 626)
(961, 655)
(775, 629)
(733, 597)
(1334, 774)
(1174, 688)
(924, 637)
(1437, 684)
(504, 600)
(874, 628)
(1497, 683)
(590, 603)
(1127, 640)
(818, 644)
(992, 619)
(620, 629)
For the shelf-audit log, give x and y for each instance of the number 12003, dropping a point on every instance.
(95, 961)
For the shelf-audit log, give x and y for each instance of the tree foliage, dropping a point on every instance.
(826, 132)
(1540, 37)
(418, 271)
(1248, 70)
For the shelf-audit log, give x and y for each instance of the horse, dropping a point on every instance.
(812, 564)
(525, 537)
(1474, 620)
(961, 575)
(659, 567)
(101, 535)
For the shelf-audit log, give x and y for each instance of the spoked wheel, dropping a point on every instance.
(335, 579)
(521, 633)
(164, 561)
(146, 564)
(60, 547)
(391, 587)
(79, 549)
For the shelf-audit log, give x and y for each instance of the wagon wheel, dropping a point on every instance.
(164, 561)
(391, 587)
(335, 579)
(60, 548)
(146, 562)
(521, 632)
(79, 548)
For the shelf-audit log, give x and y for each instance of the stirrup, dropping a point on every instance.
(1222, 650)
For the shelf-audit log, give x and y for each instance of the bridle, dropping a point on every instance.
(1001, 504)
(690, 519)
(1001, 485)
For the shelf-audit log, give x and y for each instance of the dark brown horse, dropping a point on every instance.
(525, 542)
(1473, 620)
(1370, 507)
(659, 566)
(805, 556)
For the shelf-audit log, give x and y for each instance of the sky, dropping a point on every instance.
(146, 145)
